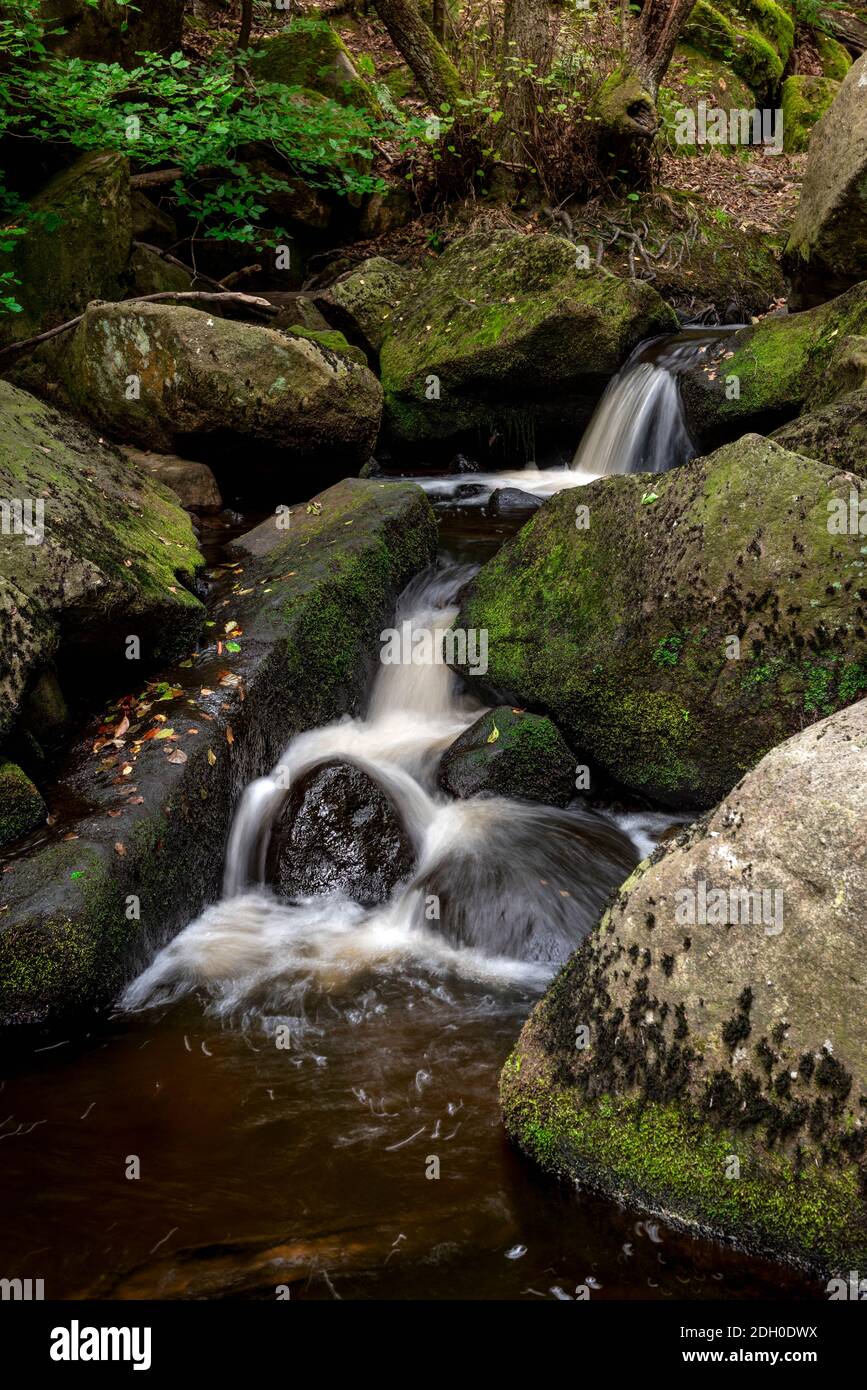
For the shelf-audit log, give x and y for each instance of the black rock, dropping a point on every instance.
(512, 501)
(339, 833)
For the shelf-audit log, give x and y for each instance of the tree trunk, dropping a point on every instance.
(432, 67)
(527, 37)
(246, 24)
(626, 102)
(439, 20)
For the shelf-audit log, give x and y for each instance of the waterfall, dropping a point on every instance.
(639, 426)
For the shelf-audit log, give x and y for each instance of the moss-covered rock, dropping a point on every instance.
(332, 339)
(738, 43)
(149, 273)
(91, 553)
(504, 335)
(835, 59)
(827, 248)
(309, 608)
(764, 375)
(76, 247)
(684, 624)
(21, 806)
(692, 77)
(107, 32)
(716, 1082)
(366, 302)
(508, 752)
(835, 434)
(159, 375)
(804, 101)
(308, 53)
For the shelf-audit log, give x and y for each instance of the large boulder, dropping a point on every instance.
(835, 434)
(805, 100)
(827, 247)
(192, 482)
(753, 38)
(307, 614)
(682, 624)
(704, 1052)
(161, 376)
(91, 552)
(76, 247)
(309, 54)
(364, 303)
(508, 752)
(764, 375)
(339, 833)
(504, 333)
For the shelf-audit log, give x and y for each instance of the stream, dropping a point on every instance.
(302, 1095)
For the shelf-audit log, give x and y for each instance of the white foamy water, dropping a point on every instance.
(520, 883)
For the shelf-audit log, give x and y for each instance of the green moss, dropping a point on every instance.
(835, 59)
(669, 1160)
(309, 54)
(744, 49)
(21, 806)
(805, 101)
(331, 339)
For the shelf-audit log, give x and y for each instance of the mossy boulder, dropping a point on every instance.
(827, 248)
(503, 335)
(835, 434)
(721, 1077)
(836, 60)
(766, 374)
(330, 338)
(365, 303)
(149, 273)
(804, 101)
(309, 608)
(509, 752)
(309, 54)
(683, 624)
(114, 554)
(21, 806)
(738, 43)
(76, 247)
(200, 378)
(692, 77)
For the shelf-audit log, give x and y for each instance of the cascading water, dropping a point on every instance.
(518, 883)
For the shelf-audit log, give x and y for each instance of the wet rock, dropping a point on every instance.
(510, 753)
(365, 303)
(513, 501)
(21, 806)
(703, 616)
(92, 552)
(503, 333)
(722, 1078)
(221, 381)
(194, 483)
(763, 376)
(78, 252)
(309, 628)
(339, 833)
(827, 250)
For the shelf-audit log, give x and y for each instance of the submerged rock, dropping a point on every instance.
(503, 333)
(703, 1053)
(827, 248)
(75, 250)
(221, 381)
(21, 806)
(308, 618)
(92, 552)
(702, 616)
(339, 833)
(509, 752)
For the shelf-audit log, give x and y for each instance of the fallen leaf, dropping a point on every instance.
(230, 734)
(120, 848)
(212, 757)
(177, 756)
(493, 735)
